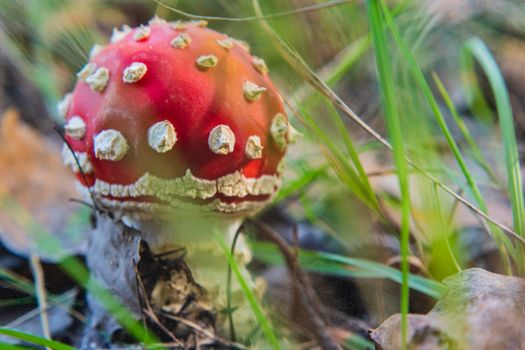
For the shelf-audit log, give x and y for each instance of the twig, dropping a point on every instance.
(309, 300)
(229, 288)
(148, 311)
(84, 178)
(213, 337)
(157, 322)
(40, 289)
(301, 67)
(80, 201)
(139, 290)
(305, 9)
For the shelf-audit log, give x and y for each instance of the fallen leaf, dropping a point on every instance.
(34, 192)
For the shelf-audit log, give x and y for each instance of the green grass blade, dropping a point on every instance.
(473, 94)
(427, 92)
(30, 338)
(297, 63)
(16, 301)
(421, 284)
(389, 104)
(504, 244)
(305, 178)
(17, 282)
(339, 265)
(355, 342)
(7, 346)
(352, 152)
(465, 132)
(80, 274)
(339, 162)
(334, 72)
(254, 304)
(481, 53)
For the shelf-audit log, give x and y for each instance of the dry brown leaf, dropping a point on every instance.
(34, 185)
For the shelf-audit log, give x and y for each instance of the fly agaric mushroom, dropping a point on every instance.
(180, 130)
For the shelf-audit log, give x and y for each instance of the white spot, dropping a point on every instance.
(280, 166)
(162, 136)
(243, 44)
(98, 80)
(279, 130)
(181, 41)
(134, 72)
(69, 160)
(207, 61)
(221, 140)
(95, 50)
(253, 148)
(142, 33)
(64, 105)
(181, 25)
(86, 71)
(110, 145)
(260, 65)
(226, 43)
(75, 127)
(252, 91)
(293, 134)
(119, 34)
(67, 155)
(157, 20)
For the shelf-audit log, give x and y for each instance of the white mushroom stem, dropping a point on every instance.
(207, 260)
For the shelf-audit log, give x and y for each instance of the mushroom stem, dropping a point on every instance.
(207, 261)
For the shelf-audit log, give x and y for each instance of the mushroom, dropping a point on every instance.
(184, 134)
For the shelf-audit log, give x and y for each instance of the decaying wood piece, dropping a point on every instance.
(479, 310)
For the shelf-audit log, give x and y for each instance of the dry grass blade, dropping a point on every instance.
(301, 67)
(305, 9)
(38, 274)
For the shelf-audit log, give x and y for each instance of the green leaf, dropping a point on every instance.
(481, 53)
(393, 122)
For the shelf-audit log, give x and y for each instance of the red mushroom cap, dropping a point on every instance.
(175, 115)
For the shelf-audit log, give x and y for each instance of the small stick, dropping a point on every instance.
(84, 178)
(198, 329)
(229, 288)
(300, 10)
(148, 311)
(139, 290)
(310, 302)
(154, 318)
